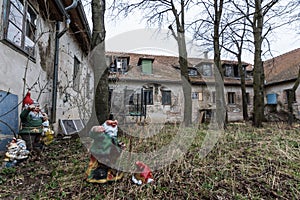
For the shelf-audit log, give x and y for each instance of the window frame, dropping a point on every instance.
(286, 96)
(231, 98)
(248, 98)
(213, 97)
(26, 35)
(193, 72)
(166, 98)
(207, 68)
(76, 74)
(148, 96)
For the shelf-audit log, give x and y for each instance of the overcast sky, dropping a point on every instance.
(131, 34)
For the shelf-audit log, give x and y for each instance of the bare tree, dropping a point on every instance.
(172, 13)
(209, 29)
(235, 38)
(99, 62)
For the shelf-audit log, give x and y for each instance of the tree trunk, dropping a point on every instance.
(258, 72)
(243, 89)
(99, 62)
(218, 71)
(185, 79)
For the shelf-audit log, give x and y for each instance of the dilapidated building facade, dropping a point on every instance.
(151, 86)
(281, 72)
(44, 48)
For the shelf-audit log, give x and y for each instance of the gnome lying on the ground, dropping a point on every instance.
(143, 175)
(105, 151)
(16, 151)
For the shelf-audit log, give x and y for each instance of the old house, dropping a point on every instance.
(203, 88)
(145, 87)
(281, 73)
(151, 86)
(44, 47)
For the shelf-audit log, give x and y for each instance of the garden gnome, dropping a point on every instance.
(107, 149)
(143, 175)
(32, 119)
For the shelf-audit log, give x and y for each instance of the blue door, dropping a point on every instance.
(9, 119)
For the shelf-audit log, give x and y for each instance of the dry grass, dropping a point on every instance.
(246, 163)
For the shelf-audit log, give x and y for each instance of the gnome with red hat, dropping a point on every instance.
(105, 149)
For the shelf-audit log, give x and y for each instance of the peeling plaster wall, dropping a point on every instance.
(158, 112)
(281, 98)
(18, 73)
(72, 104)
(235, 112)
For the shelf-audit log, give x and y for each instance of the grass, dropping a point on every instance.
(246, 163)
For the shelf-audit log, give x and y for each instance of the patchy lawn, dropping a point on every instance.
(246, 163)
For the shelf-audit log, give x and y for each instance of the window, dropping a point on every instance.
(193, 72)
(231, 98)
(248, 98)
(76, 74)
(287, 94)
(147, 66)
(194, 95)
(166, 97)
(20, 26)
(206, 70)
(120, 64)
(148, 96)
(213, 94)
(231, 71)
(197, 95)
(129, 97)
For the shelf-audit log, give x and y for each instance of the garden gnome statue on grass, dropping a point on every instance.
(107, 149)
(32, 119)
(143, 174)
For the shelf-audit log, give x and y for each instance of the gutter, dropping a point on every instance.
(56, 54)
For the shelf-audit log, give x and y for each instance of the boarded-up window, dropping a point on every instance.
(147, 66)
(272, 99)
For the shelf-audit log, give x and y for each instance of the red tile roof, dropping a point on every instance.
(282, 68)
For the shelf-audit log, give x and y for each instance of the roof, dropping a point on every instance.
(163, 70)
(55, 10)
(282, 68)
(166, 68)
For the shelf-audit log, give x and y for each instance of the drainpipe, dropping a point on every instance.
(56, 55)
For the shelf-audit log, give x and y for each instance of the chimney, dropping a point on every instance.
(205, 54)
